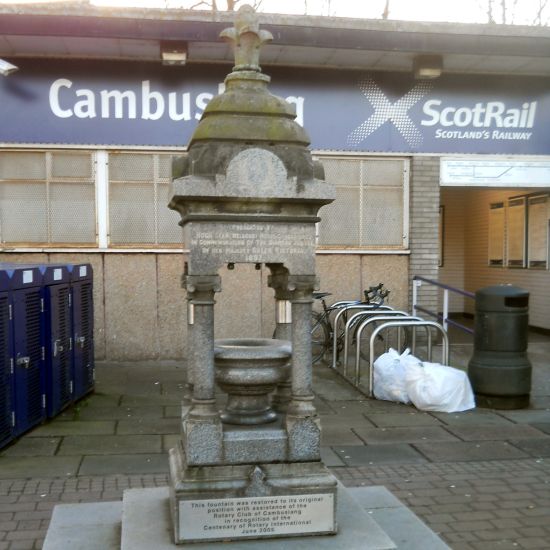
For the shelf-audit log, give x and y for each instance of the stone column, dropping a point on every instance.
(200, 296)
(202, 430)
(278, 281)
(302, 423)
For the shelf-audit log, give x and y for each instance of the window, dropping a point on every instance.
(537, 232)
(515, 238)
(496, 233)
(47, 198)
(138, 198)
(522, 230)
(371, 206)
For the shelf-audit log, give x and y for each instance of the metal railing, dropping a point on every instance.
(444, 316)
(336, 334)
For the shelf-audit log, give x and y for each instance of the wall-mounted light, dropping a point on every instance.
(426, 67)
(173, 52)
(6, 68)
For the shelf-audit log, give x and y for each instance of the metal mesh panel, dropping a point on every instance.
(382, 217)
(342, 171)
(368, 210)
(131, 167)
(35, 208)
(23, 212)
(22, 166)
(388, 173)
(168, 229)
(340, 219)
(132, 213)
(72, 212)
(138, 211)
(165, 167)
(72, 165)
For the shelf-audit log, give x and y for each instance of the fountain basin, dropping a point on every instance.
(248, 370)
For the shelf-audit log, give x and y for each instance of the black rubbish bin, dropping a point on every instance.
(499, 369)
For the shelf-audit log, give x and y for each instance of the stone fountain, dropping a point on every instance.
(248, 191)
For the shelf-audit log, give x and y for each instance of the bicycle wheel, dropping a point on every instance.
(320, 336)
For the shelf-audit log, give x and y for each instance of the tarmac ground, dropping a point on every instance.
(480, 479)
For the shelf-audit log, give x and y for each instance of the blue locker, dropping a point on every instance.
(7, 410)
(56, 281)
(29, 350)
(83, 329)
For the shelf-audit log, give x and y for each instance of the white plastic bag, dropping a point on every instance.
(389, 377)
(435, 387)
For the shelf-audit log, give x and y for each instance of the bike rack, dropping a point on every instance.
(405, 323)
(364, 307)
(353, 318)
(387, 316)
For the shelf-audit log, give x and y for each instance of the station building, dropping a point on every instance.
(436, 135)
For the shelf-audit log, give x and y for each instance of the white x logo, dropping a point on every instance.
(384, 110)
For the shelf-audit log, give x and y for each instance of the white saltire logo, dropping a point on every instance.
(384, 110)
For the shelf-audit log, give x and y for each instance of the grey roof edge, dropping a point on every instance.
(82, 8)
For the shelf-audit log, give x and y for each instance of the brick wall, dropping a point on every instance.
(424, 226)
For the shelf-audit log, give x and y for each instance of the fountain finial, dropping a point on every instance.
(246, 39)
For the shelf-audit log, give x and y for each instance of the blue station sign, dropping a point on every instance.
(145, 104)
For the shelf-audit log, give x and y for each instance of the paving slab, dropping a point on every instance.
(540, 402)
(148, 400)
(395, 420)
(124, 464)
(328, 387)
(538, 448)
(336, 421)
(32, 446)
(322, 406)
(122, 412)
(75, 427)
(364, 455)
(339, 436)
(542, 426)
(330, 458)
(413, 434)
(172, 411)
(102, 399)
(496, 433)
(458, 451)
(92, 526)
(28, 467)
(169, 441)
(149, 426)
(527, 416)
(477, 417)
(109, 444)
(404, 528)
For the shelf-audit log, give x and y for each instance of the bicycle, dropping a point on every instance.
(322, 331)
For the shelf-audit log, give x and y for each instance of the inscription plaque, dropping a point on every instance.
(256, 517)
(253, 243)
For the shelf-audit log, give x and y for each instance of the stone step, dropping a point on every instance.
(369, 518)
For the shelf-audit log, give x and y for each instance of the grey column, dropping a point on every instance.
(201, 291)
(278, 281)
(301, 288)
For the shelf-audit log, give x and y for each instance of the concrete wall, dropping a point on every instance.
(140, 307)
